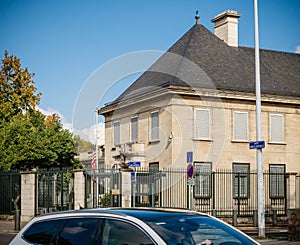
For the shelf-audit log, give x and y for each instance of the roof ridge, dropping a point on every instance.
(269, 50)
(184, 52)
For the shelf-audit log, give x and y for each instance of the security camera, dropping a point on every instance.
(170, 136)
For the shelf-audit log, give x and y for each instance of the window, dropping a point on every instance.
(79, 231)
(43, 232)
(240, 126)
(202, 173)
(276, 128)
(154, 167)
(202, 124)
(277, 181)
(241, 180)
(120, 232)
(196, 229)
(134, 129)
(154, 133)
(117, 133)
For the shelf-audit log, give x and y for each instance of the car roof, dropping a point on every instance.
(140, 213)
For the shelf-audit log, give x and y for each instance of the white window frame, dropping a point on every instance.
(202, 124)
(240, 129)
(134, 129)
(277, 181)
(203, 180)
(241, 180)
(154, 127)
(116, 133)
(277, 133)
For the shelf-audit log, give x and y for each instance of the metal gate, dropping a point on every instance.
(145, 188)
(103, 188)
(54, 190)
(10, 189)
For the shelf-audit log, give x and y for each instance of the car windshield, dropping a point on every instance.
(192, 229)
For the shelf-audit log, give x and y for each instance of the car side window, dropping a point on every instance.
(80, 231)
(117, 232)
(42, 232)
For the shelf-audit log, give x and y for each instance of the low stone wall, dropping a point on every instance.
(294, 224)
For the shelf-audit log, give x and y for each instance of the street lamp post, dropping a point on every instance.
(259, 162)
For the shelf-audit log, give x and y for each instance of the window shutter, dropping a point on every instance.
(240, 126)
(202, 124)
(134, 129)
(154, 135)
(117, 133)
(276, 128)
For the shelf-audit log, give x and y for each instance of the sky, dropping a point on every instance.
(68, 44)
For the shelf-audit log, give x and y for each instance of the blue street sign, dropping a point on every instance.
(257, 144)
(189, 157)
(134, 164)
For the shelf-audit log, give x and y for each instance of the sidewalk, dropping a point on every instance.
(277, 242)
(274, 235)
(7, 226)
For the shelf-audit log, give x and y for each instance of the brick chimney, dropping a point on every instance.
(226, 27)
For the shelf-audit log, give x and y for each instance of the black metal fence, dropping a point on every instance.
(10, 189)
(54, 190)
(219, 192)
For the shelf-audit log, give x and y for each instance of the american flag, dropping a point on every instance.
(93, 163)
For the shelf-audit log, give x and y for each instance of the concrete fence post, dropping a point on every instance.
(79, 189)
(28, 196)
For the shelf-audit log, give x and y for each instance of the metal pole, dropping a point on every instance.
(260, 177)
(17, 219)
(97, 163)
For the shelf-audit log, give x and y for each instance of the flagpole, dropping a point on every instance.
(97, 167)
(259, 162)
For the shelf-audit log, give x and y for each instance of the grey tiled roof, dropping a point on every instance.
(219, 66)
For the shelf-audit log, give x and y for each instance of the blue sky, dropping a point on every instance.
(64, 41)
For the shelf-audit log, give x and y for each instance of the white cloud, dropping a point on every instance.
(88, 134)
(64, 121)
(298, 49)
(92, 133)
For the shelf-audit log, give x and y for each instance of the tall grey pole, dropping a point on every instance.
(97, 163)
(259, 162)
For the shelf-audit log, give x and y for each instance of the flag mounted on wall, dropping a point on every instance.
(94, 158)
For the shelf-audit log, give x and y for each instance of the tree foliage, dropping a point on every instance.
(29, 139)
(82, 145)
(17, 93)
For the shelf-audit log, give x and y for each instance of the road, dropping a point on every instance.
(5, 238)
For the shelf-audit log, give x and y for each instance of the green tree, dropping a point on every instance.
(82, 145)
(28, 142)
(29, 139)
(17, 90)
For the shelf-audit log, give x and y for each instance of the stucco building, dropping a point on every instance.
(199, 97)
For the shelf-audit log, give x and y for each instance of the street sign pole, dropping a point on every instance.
(259, 164)
(190, 175)
(97, 163)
